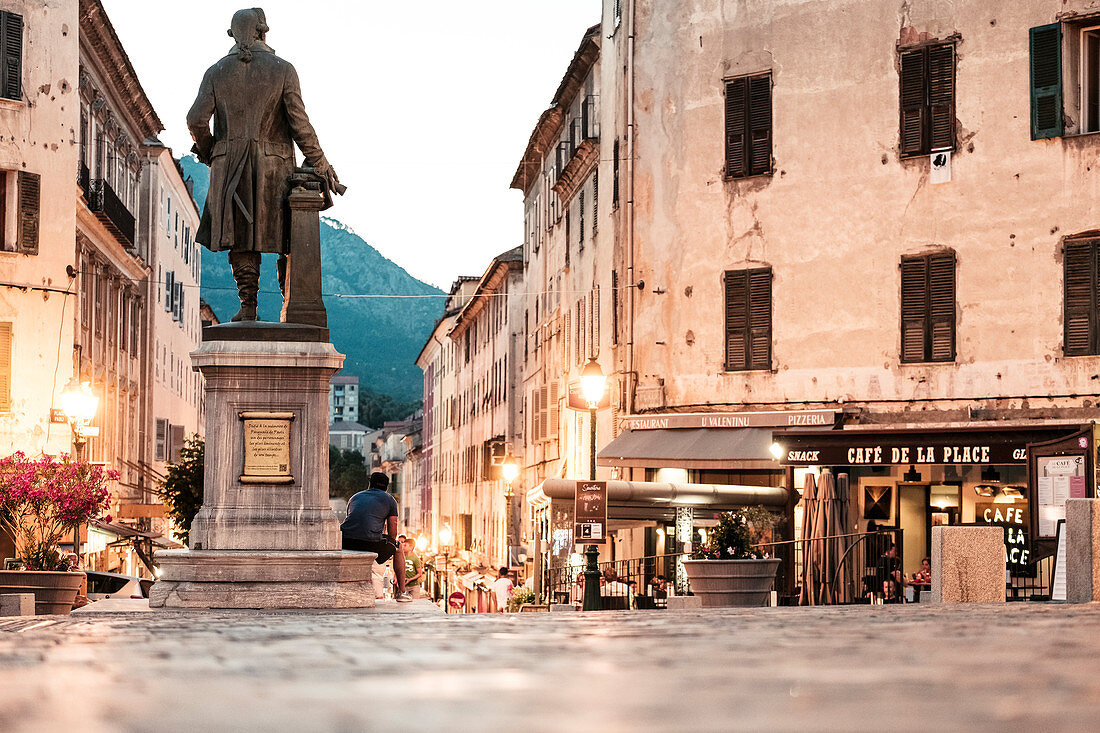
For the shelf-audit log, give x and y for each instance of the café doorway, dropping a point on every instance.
(921, 506)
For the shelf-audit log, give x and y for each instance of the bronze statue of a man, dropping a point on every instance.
(256, 102)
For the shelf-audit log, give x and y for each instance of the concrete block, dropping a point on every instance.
(684, 603)
(968, 565)
(17, 604)
(1082, 550)
(555, 607)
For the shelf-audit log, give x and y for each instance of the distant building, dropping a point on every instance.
(343, 399)
(349, 435)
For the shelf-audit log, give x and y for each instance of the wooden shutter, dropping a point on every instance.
(11, 36)
(595, 350)
(614, 307)
(912, 102)
(941, 96)
(29, 200)
(615, 174)
(1046, 81)
(736, 116)
(595, 203)
(760, 319)
(914, 307)
(160, 446)
(553, 410)
(760, 125)
(1079, 266)
(737, 320)
(941, 290)
(5, 366)
(567, 336)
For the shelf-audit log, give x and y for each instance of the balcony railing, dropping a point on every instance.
(84, 180)
(110, 210)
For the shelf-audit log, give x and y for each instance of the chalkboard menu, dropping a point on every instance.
(591, 513)
(1016, 520)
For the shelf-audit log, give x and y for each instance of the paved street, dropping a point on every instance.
(909, 668)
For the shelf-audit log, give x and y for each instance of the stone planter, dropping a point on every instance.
(721, 583)
(54, 592)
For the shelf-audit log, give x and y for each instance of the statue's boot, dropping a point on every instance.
(280, 270)
(246, 271)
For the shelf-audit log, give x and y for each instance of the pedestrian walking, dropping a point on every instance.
(502, 590)
(414, 569)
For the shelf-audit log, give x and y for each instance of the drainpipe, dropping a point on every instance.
(630, 275)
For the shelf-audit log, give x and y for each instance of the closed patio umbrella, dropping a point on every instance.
(843, 503)
(827, 549)
(809, 505)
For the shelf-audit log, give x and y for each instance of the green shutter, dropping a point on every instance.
(1046, 81)
(11, 36)
(29, 202)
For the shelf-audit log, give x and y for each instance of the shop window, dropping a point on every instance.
(928, 307)
(1081, 321)
(749, 126)
(748, 319)
(927, 90)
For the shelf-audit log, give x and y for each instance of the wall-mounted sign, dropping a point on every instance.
(781, 418)
(852, 448)
(575, 398)
(1015, 518)
(266, 448)
(590, 513)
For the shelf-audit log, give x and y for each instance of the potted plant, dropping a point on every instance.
(729, 570)
(42, 502)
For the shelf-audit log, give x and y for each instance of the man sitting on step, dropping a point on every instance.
(371, 526)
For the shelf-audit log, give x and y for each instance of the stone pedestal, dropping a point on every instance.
(968, 565)
(265, 536)
(1082, 550)
(16, 604)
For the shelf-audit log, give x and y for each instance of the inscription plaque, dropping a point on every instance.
(266, 448)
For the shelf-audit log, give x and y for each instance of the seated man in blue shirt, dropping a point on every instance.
(371, 526)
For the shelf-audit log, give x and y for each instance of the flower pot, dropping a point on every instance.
(54, 592)
(721, 583)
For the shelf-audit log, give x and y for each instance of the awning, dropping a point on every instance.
(690, 448)
(658, 493)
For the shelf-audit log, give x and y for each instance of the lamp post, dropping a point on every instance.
(509, 471)
(79, 404)
(593, 384)
(445, 537)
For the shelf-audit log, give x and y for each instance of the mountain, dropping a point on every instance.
(380, 336)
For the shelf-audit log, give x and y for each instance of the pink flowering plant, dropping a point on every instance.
(737, 535)
(43, 500)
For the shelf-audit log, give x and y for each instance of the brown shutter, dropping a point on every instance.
(912, 102)
(11, 31)
(595, 351)
(1079, 302)
(5, 366)
(554, 409)
(29, 192)
(760, 318)
(941, 96)
(737, 320)
(914, 307)
(736, 113)
(614, 307)
(941, 282)
(760, 124)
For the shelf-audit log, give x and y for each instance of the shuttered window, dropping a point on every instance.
(615, 174)
(1081, 278)
(5, 367)
(749, 126)
(29, 202)
(928, 307)
(11, 52)
(1045, 43)
(927, 84)
(748, 319)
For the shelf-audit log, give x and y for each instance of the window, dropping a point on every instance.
(928, 307)
(161, 446)
(749, 126)
(927, 86)
(615, 174)
(20, 193)
(1081, 319)
(580, 221)
(11, 52)
(5, 367)
(748, 319)
(595, 202)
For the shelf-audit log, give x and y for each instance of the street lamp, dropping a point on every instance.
(421, 543)
(79, 404)
(509, 470)
(445, 537)
(593, 385)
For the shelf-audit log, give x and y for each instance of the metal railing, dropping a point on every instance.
(625, 584)
(110, 210)
(857, 570)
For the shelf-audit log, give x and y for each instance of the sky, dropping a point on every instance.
(423, 109)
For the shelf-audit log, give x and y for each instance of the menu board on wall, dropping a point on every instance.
(1059, 478)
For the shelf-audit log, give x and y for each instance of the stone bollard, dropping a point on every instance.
(1082, 550)
(968, 565)
(17, 604)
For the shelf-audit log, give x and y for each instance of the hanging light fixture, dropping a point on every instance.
(912, 475)
(991, 475)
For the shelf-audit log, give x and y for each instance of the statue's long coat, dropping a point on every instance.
(258, 115)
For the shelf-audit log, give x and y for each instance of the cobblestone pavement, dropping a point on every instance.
(981, 667)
